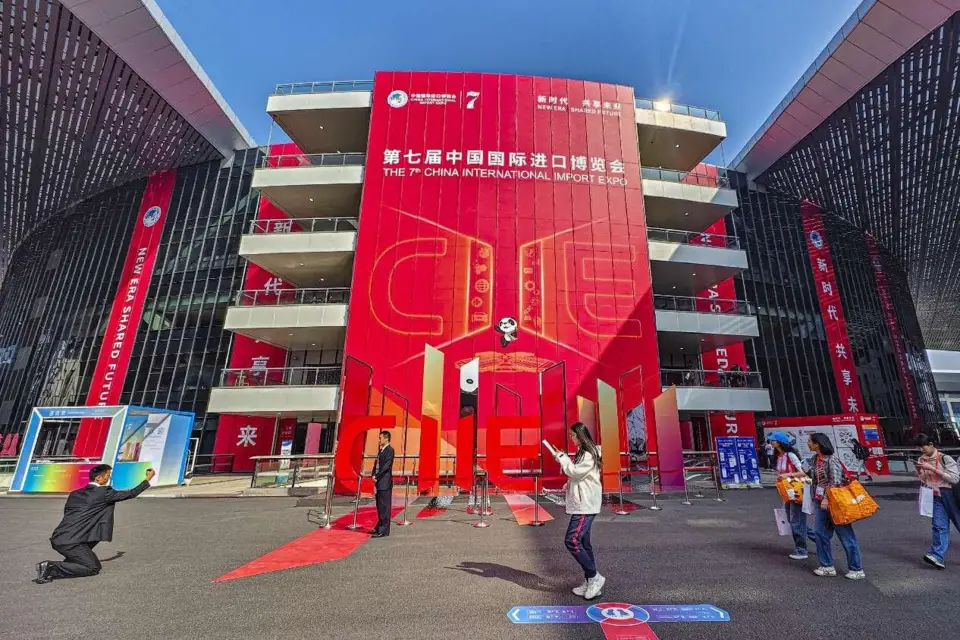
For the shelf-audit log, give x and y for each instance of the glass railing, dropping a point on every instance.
(312, 160)
(680, 109)
(280, 376)
(702, 378)
(281, 297)
(702, 305)
(304, 225)
(337, 86)
(686, 177)
(692, 237)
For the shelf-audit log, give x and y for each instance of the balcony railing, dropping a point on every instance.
(312, 160)
(338, 86)
(282, 297)
(304, 225)
(680, 109)
(701, 378)
(702, 305)
(720, 181)
(692, 237)
(277, 376)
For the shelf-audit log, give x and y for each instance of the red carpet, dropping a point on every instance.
(523, 509)
(314, 548)
(613, 503)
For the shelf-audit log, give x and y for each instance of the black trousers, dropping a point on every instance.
(384, 502)
(79, 561)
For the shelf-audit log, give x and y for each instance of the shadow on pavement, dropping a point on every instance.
(520, 578)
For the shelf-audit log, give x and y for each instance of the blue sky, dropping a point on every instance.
(737, 56)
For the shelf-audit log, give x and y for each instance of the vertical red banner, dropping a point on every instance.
(831, 310)
(127, 310)
(896, 337)
(720, 298)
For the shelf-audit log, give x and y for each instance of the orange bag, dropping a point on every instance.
(850, 503)
(791, 489)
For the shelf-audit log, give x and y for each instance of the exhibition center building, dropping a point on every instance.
(440, 245)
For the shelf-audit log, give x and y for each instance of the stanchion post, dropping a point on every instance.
(686, 492)
(481, 523)
(536, 502)
(406, 496)
(653, 489)
(356, 508)
(716, 477)
(621, 511)
(328, 506)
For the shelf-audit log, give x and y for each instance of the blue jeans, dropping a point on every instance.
(578, 543)
(798, 525)
(945, 511)
(825, 530)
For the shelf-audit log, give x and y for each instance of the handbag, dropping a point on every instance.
(783, 523)
(926, 501)
(791, 489)
(850, 503)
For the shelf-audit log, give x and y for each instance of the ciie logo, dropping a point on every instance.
(618, 614)
(398, 98)
(151, 216)
(816, 239)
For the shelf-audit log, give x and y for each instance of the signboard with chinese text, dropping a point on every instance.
(843, 430)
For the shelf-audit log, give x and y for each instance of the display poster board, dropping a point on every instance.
(139, 438)
(739, 466)
(843, 430)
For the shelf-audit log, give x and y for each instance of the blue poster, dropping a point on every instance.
(728, 462)
(747, 458)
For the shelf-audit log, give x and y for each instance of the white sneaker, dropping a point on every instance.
(855, 575)
(594, 586)
(796, 555)
(932, 560)
(825, 572)
(582, 589)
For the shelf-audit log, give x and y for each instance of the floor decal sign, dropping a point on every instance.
(618, 619)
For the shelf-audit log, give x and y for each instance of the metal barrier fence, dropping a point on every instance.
(282, 297)
(702, 378)
(295, 160)
(278, 376)
(696, 238)
(338, 86)
(685, 177)
(304, 225)
(902, 460)
(701, 305)
(204, 463)
(680, 109)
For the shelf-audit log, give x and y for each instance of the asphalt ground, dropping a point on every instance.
(442, 578)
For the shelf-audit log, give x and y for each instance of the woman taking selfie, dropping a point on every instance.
(828, 472)
(584, 496)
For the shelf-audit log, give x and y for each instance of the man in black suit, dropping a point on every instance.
(87, 520)
(383, 482)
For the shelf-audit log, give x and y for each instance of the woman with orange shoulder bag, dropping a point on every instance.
(827, 473)
(788, 467)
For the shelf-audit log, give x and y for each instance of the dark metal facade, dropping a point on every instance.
(75, 120)
(888, 162)
(62, 280)
(792, 351)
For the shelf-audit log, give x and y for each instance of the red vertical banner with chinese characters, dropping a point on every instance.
(907, 382)
(254, 362)
(127, 310)
(726, 360)
(831, 310)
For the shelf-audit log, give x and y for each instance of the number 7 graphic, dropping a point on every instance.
(472, 97)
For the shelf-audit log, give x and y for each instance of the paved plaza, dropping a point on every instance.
(442, 578)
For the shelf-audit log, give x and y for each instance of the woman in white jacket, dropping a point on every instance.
(584, 495)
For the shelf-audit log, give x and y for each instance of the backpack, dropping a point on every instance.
(860, 451)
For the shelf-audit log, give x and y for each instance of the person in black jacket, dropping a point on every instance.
(383, 483)
(87, 520)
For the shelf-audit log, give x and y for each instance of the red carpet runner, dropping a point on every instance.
(523, 509)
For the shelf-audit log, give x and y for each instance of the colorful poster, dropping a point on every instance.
(831, 310)
(907, 382)
(502, 224)
(737, 460)
(121, 331)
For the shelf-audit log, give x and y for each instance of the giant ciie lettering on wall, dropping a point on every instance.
(127, 310)
(502, 265)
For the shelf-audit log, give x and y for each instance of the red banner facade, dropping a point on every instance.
(896, 338)
(127, 310)
(503, 243)
(831, 310)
